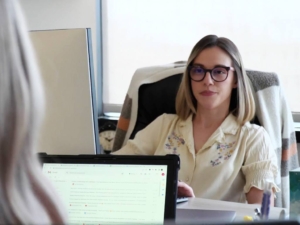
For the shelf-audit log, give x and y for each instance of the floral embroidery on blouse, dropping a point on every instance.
(174, 141)
(224, 152)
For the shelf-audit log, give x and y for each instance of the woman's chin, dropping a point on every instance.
(208, 107)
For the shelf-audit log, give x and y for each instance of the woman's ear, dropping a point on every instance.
(235, 84)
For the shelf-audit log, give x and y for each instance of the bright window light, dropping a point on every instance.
(140, 33)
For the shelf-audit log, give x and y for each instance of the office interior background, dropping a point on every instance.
(127, 35)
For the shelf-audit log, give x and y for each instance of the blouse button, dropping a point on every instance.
(187, 179)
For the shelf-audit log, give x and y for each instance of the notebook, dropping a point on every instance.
(106, 189)
(203, 216)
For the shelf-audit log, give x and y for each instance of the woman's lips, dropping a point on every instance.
(207, 93)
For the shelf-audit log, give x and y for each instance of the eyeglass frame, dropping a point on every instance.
(227, 68)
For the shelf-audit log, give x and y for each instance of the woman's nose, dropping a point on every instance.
(208, 79)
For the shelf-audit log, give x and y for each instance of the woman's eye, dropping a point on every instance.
(219, 71)
(199, 70)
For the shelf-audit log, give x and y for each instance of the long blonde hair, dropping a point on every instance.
(26, 196)
(242, 103)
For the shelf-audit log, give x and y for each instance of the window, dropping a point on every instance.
(140, 33)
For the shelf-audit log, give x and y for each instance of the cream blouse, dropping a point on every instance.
(234, 159)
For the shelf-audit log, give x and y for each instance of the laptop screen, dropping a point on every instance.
(95, 193)
(118, 190)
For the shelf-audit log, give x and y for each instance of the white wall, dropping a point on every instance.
(141, 33)
(63, 14)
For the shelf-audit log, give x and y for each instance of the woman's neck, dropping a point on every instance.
(209, 118)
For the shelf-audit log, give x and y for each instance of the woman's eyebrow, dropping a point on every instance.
(221, 65)
(218, 65)
(198, 64)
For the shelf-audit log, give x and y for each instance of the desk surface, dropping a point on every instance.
(240, 208)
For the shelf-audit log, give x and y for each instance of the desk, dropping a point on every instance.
(240, 208)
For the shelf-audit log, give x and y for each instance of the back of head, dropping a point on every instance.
(242, 102)
(24, 191)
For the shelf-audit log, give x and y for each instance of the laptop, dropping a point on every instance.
(115, 189)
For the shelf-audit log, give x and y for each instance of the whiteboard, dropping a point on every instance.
(70, 123)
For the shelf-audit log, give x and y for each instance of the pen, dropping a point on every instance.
(265, 205)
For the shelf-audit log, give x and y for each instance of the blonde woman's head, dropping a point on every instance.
(24, 192)
(241, 101)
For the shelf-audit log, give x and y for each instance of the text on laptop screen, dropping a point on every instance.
(95, 193)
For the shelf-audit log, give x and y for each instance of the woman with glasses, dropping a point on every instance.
(222, 155)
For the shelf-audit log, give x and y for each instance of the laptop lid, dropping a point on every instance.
(99, 189)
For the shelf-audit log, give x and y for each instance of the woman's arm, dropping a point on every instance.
(260, 166)
(255, 195)
(146, 140)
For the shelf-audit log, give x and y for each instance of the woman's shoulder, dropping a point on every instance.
(166, 117)
(254, 129)
(167, 120)
(257, 141)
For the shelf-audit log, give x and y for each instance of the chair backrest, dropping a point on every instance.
(153, 90)
(155, 99)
